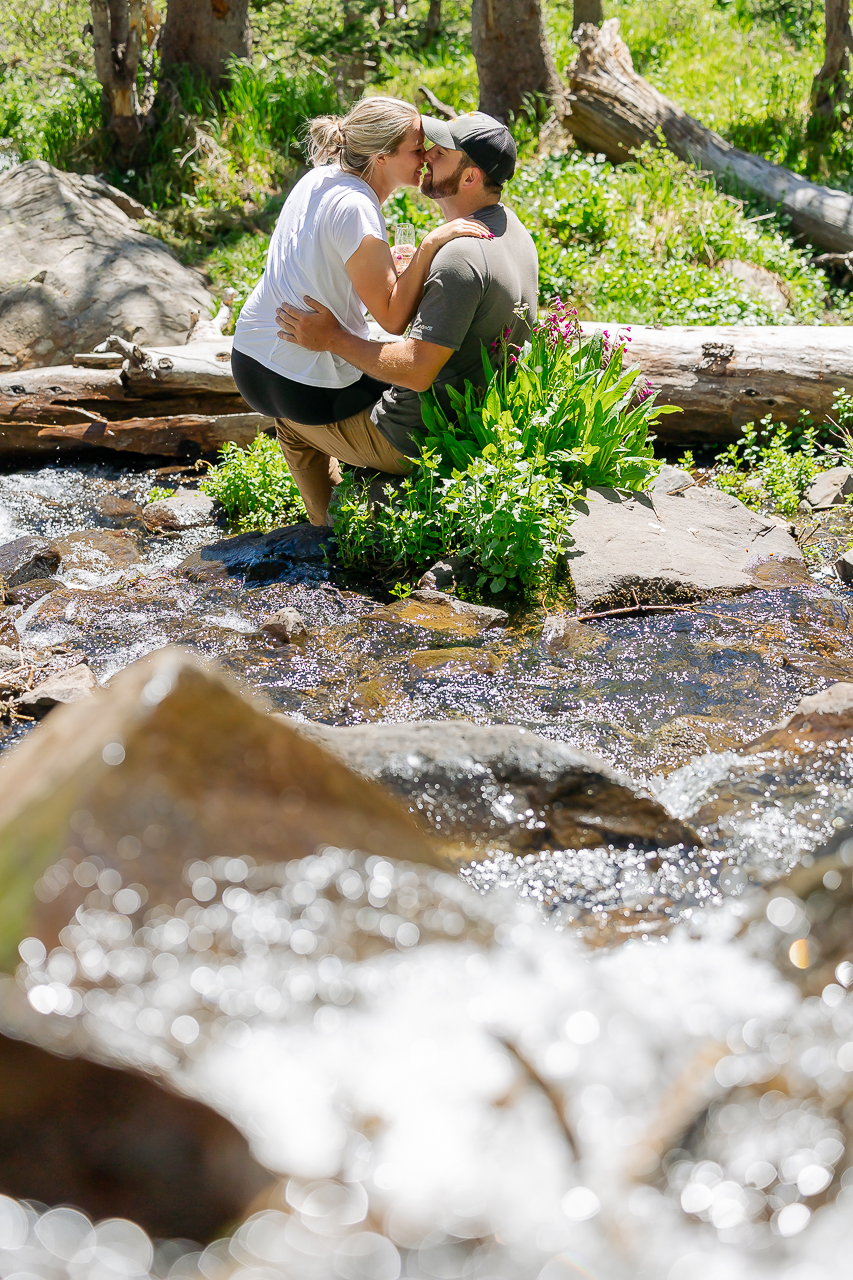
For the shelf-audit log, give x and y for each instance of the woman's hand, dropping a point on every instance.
(454, 231)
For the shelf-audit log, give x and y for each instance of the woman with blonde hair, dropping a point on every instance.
(330, 243)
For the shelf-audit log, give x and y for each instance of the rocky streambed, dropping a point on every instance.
(515, 946)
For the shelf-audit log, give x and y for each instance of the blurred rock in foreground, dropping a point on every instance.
(111, 798)
(118, 1145)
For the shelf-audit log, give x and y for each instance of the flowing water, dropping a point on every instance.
(454, 1082)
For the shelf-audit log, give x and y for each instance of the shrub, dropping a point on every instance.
(762, 468)
(498, 473)
(254, 486)
(571, 404)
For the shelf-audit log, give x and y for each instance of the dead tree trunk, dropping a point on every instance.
(614, 111)
(514, 61)
(205, 34)
(724, 376)
(587, 11)
(830, 87)
(121, 29)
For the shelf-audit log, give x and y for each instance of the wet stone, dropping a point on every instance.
(478, 786)
(27, 558)
(97, 551)
(285, 626)
(72, 685)
(439, 663)
(561, 633)
(261, 555)
(29, 592)
(118, 510)
(440, 612)
(187, 509)
(9, 658)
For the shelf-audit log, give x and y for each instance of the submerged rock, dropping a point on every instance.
(821, 717)
(71, 685)
(439, 663)
(119, 510)
(27, 558)
(96, 551)
(287, 625)
(187, 509)
(830, 488)
(260, 555)
(560, 632)
(29, 592)
(168, 766)
(440, 612)
(479, 786)
(680, 542)
(118, 1145)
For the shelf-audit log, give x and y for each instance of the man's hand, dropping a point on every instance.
(315, 330)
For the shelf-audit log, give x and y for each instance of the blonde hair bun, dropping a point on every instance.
(372, 127)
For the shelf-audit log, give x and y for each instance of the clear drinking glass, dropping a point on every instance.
(404, 245)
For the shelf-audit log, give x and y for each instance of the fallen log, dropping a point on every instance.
(614, 111)
(725, 376)
(172, 437)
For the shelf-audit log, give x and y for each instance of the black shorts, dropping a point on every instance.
(275, 396)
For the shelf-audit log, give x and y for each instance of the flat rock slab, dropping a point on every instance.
(27, 558)
(261, 556)
(484, 786)
(72, 685)
(74, 268)
(682, 542)
(187, 509)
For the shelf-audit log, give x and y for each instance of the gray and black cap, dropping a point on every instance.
(488, 142)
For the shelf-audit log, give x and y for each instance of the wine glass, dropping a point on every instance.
(404, 245)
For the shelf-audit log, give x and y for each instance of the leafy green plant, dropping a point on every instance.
(570, 402)
(499, 470)
(254, 486)
(763, 470)
(157, 493)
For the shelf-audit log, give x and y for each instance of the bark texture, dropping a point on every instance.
(587, 11)
(613, 110)
(724, 376)
(121, 30)
(514, 60)
(205, 33)
(830, 88)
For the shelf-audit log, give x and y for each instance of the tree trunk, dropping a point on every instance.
(120, 30)
(830, 87)
(514, 61)
(432, 25)
(587, 11)
(724, 376)
(205, 34)
(615, 111)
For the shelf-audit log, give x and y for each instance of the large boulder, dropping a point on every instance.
(74, 267)
(477, 786)
(680, 542)
(169, 766)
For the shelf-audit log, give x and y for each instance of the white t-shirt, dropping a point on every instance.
(324, 220)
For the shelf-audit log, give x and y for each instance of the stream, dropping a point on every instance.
(391, 1042)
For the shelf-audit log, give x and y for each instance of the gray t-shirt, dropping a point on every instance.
(474, 291)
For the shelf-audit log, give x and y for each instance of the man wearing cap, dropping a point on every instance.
(475, 292)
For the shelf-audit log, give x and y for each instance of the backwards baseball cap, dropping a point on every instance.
(488, 142)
